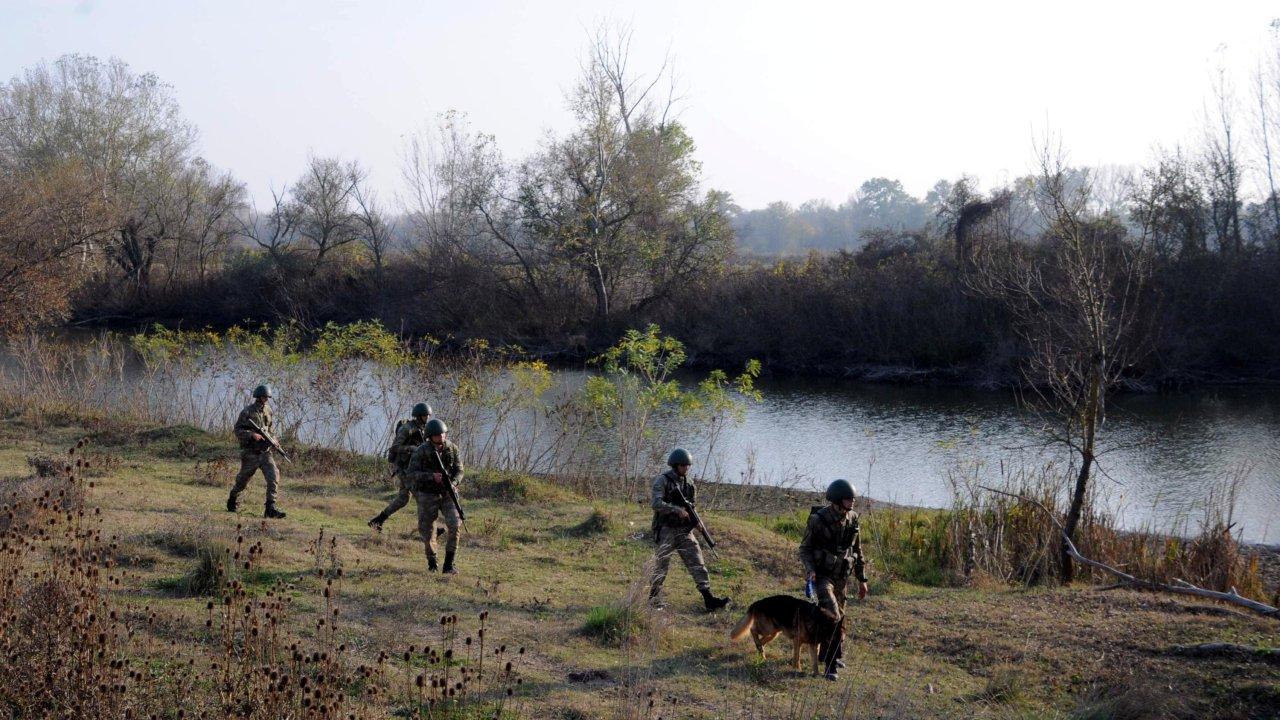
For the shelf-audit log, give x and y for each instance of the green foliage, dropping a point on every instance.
(366, 339)
(613, 625)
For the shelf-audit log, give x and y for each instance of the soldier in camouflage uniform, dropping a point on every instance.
(831, 549)
(255, 451)
(433, 464)
(409, 435)
(673, 530)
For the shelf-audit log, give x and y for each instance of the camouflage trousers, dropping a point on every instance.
(430, 506)
(673, 540)
(251, 461)
(832, 593)
(402, 496)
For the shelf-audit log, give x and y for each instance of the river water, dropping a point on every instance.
(1163, 453)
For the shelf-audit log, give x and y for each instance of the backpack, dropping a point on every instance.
(393, 452)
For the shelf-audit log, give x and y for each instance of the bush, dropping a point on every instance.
(614, 625)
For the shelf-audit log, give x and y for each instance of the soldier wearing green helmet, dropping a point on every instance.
(673, 529)
(830, 551)
(252, 430)
(409, 435)
(433, 464)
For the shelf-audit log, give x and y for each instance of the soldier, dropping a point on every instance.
(409, 435)
(252, 429)
(673, 530)
(832, 547)
(433, 464)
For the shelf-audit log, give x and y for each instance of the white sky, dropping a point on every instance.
(786, 101)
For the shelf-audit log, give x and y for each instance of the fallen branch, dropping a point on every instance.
(1180, 587)
(1218, 649)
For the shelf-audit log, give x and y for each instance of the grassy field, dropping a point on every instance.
(561, 576)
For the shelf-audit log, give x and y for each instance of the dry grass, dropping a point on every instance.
(322, 598)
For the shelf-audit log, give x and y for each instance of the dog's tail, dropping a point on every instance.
(744, 627)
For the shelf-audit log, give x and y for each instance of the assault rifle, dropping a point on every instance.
(683, 502)
(275, 444)
(448, 487)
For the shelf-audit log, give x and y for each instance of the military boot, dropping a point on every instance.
(432, 565)
(377, 520)
(449, 569)
(232, 502)
(712, 602)
(273, 512)
(655, 598)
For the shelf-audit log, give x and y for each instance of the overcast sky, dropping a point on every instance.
(786, 101)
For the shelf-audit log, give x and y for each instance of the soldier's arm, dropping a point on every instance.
(243, 430)
(859, 562)
(808, 546)
(661, 506)
(417, 467)
(455, 467)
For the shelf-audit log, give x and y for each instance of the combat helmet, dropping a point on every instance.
(679, 456)
(841, 490)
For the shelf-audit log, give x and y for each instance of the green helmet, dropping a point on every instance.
(421, 410)
(262, 391)
(679, 456)
(436, 426)
(841, 490)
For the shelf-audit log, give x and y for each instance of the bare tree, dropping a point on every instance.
(275, 230)
(325, 199)
(1074, 301)
(1222, 167)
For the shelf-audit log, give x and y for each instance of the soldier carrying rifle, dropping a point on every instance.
(674, 522)
(257, 446)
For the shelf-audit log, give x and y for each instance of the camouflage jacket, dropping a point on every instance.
(665, 501)
(832, 545)
(409, 435)
(253, 413)
(426, 460)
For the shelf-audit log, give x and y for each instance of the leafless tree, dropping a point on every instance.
(274, 230)
(1074, 301)
(325, 199)
(1222, 167)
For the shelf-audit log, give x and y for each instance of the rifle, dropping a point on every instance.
(448, 486)
(693, 515)
(275, 445)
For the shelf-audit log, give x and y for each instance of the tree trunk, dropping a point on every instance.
(602, 292)
(1088, 440)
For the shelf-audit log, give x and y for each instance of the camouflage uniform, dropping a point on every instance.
(674, 534)
(431, 496)
(409, 435)
(255, 455)
(832, 547)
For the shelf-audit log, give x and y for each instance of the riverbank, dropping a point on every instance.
(542, 561)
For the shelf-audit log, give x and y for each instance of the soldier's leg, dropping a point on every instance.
(449, 514)
(249, 462)
(661, 560)
(691, 554)
(400, 500)
(428, 509)
(271, 474)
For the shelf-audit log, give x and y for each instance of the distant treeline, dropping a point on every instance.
(109, 217)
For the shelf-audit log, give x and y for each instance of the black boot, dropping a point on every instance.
(432, 565)
(712, 602)
(376, 522)
(655, 599)
(273, 513)
(449, 569)
(232, 502)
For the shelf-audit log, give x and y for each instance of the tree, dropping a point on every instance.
(126, 134)
(324, 199)
(1222, 168)
(1074, 302)
(48, 222)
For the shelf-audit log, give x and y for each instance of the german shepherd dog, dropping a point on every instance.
(800, 620)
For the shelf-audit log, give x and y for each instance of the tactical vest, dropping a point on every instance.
(400, 453)
(670, 496)
(836, 561)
